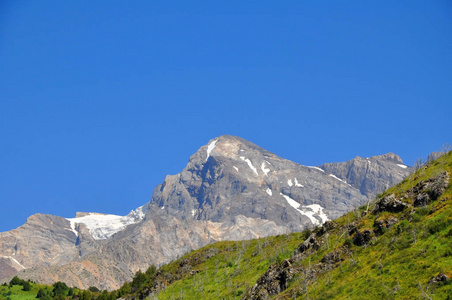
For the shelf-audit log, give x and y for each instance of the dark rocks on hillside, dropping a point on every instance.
(389, 204)
(380, 225)
(327, 226)
(334, 256)
(430, 190)
(362, 238)
(439, 279)
(273, 282)
(310, 242)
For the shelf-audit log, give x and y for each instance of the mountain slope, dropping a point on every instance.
(231, 189)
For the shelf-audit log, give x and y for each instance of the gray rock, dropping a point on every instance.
(389, 203)
(429, 190)
(370, 175)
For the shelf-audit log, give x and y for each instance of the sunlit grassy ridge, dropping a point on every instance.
(397, 264)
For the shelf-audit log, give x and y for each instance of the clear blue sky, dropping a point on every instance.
(99, 100)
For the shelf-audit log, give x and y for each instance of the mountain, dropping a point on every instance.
(231, 189)
(396, 247)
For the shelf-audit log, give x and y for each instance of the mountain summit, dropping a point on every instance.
(231, 189)
(231, 176)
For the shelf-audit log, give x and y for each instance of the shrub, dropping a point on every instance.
(93, 289)
(26, 286)
(437, 225)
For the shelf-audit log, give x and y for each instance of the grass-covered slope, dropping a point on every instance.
(400, 247)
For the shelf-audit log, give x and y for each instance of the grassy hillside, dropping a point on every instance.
(411, 258)
(397, 247)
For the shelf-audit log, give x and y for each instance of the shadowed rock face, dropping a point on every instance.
(230, 189)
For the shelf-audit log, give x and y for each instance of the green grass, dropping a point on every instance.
(230, 272)
(15, 292)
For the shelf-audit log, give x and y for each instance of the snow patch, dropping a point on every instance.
(297, 184)
(402, 166)
(14, 260)
(210, 148)
(309, 210)
(73, 227)
(335, 177)
(237, 169)
(163, 207)
(317, 168)
(265, 170)
(269, 191)
(289, 182)
(193, 211)
(250, 164)
(318, 210)
(103, 226)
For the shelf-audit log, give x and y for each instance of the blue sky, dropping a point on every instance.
(99, 100)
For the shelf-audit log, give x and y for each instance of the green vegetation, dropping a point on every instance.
(379, 251)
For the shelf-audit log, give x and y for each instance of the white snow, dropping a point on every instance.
(237, 169)
(193, 211)
(317, 209)
(264, 169)
(210, 148)
(308, 210)
(163, 207)
(14, 260)
(334, 176)
(317, 168)
(289, 182)
(402, 166)
(250, 164)
(103, 226)
(73, 228)
(269, 191)
(297, 184)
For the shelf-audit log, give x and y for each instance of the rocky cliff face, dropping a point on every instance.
(231, 176)
(230, 189)
(370, 175)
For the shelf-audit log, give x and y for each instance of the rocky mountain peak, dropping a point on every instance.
(226, 146)
(390, 157)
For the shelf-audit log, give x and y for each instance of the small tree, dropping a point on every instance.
(26, 286)
(446, 147)
(16, 281)
(418, 163)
